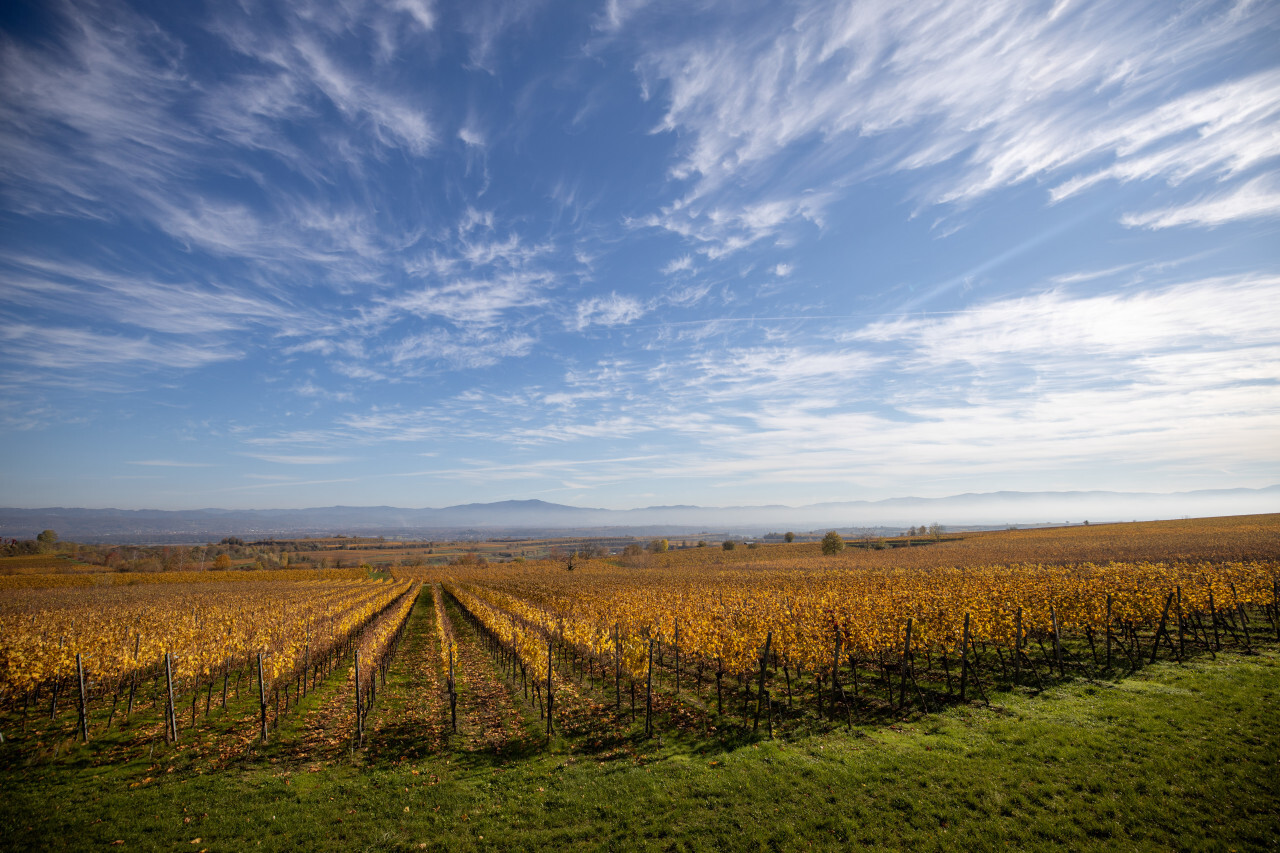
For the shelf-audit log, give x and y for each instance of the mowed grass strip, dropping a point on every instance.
(1174, 757)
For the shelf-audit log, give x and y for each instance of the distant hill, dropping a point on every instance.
(536, 518)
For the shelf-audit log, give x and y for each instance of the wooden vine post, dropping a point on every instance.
(677, 652)
(1182, 638)
(133, 675)
(964, 658)
(262, 700)
(1275, 604)
(760, 697)
(1057, 641)
(906, 664)
(453, 695)
(1160, 632)
(359, 715)
(171, 709)
(648, 695)
(1017, 648)
(1108, 630)
(1213, 617)
(617, 666)
(836, 690)
(550, 695)
(84, 716)
(53, 701)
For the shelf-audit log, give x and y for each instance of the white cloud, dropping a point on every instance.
(291, 459)
(169, 463)
(616, 13)
(179, 308)
(1224, 314)
(311, 389)
(383, 425)
(1184, 377)
(474, 301)
(684, 263)
(420, 11)
(473, 350)
(686, 296)
(611, 310)
(1003, 92)
(1256, 199)
(397, 122)
(811, 373)
(720, 231)
(1221, 131)
(487, 23)
(65, 349)
(473, 219)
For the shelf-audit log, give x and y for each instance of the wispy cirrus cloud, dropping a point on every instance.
(148, 131)
(299, 459)
(1227, 314)
(169, 463)
(487, 22)
(1220, 131)
(1038, 383)
(778, 99)
(610, 310)
(467, 349)
(1255, 199)
(176, 308)
(75, 349)
(723, 230)
(473, 301)
(1182, 377)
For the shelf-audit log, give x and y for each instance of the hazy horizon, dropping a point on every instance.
(537, 518)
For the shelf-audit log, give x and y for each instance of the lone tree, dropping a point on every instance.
(47, 539)
(790, 537)
(832, 543)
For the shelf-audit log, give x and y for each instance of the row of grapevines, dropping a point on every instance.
(724, 616)
(121, 631)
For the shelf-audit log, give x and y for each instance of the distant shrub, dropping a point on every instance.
(832, 543)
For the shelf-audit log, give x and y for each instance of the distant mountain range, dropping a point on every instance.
(539, 518)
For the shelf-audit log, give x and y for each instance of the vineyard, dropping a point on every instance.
(604, 656)
(712, 639)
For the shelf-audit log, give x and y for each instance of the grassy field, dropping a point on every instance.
(1175, 756)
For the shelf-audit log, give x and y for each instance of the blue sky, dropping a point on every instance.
(629, 253)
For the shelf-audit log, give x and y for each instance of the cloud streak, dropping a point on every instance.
(1001, 93)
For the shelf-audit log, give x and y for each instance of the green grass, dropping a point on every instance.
(1175, 757)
